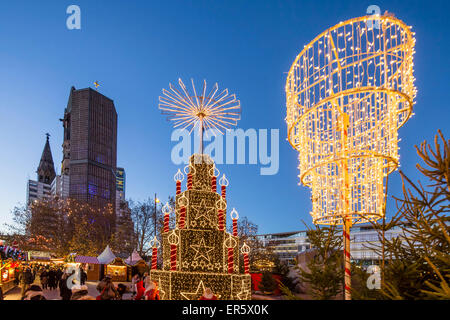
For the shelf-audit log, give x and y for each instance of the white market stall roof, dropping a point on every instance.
(107, 256)
(133, 259)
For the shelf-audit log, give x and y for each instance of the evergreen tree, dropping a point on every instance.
(322, 276)
(416, 265)
(268, 283)
(282, 269)
(124, 238)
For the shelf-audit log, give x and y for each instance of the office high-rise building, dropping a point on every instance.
(90, 147)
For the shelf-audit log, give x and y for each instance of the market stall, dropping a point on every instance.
(136, 264)
(90, 265)
(10, 258)
(8, 274)
(113, 266)
(117, 270)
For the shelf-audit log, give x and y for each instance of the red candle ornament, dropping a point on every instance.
(221, 220)
(178, 177)
(166, 223)
(214, 184)
(234, 216)
(245, 251)
(182, 217)
(188, 171)
(214, 172)
(224, 183)
(221, 206)
(230, 260)
(182, 203)
(173, 241)
(230, 243)
(189, 181)
(166, 210)
(155, 245)
(173, 257)
(154, 258)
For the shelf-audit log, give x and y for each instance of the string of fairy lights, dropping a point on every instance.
(216, 110)
(199, 252)
(366, 73)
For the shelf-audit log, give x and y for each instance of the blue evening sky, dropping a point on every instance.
(135, 48)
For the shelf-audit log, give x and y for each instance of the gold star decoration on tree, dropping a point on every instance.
(162, 293)
(202, 250)
(244, 294)
(203, 211)
(194, 295)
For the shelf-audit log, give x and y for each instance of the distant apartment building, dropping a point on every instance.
(286, 245)
(60, 186)
(364, 244)
(37, 191)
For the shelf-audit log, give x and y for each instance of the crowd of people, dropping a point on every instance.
(58, 277)
(49, 276)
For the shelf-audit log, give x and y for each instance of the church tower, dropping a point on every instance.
(46, 170)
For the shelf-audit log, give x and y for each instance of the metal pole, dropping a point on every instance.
(384, 230)
(201, 135)
(155, 214)
(347, 219)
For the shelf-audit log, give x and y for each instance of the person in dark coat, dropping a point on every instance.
(64, 290)
(34, 270)
(121, 289)
(17, 272)
(26, 279)
(83, 276)
(59, 274)
(52, 279)
(44, 279)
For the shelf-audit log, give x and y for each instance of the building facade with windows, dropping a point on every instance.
(60, 186)
(364, 244)
(37, 191)
(286, 245)
(90, 147)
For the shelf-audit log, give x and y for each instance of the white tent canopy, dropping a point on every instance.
(107, 256)
(133, 259)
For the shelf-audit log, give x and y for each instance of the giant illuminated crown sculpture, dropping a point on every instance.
(199, 253)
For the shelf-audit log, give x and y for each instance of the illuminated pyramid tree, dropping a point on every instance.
(199, 253)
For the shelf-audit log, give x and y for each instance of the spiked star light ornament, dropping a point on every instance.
(202, 110)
